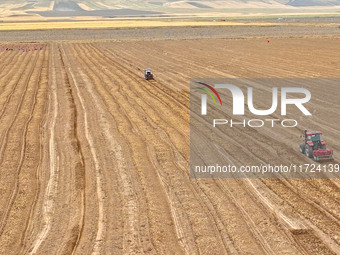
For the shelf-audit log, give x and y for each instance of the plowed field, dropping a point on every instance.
(95, 160)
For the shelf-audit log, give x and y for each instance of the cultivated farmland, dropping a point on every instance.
(95, 160)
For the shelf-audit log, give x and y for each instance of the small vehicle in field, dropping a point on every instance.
(314, 147)
(148, 74)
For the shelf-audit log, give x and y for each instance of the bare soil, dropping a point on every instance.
(95, 160)
(171, 33)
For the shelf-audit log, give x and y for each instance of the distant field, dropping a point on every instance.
(117, 24)
(268, 30)
(135, 24)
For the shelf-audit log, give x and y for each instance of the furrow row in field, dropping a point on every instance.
(62, 191)
(15, 134)
(26, 185)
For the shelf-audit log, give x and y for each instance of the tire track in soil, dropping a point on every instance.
(44, 117)
(57, 162)
(130, 207)
(52, 185)
(100, 236)
(73, 241)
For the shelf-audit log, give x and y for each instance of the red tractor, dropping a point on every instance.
(314, 147)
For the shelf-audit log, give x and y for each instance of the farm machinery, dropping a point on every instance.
(314, 147)
(148, 74)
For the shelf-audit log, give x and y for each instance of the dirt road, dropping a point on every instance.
(95, 160)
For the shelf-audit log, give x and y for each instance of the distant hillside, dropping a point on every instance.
(201, 4)
(304, 3)
(11, 10)
(234, 3)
